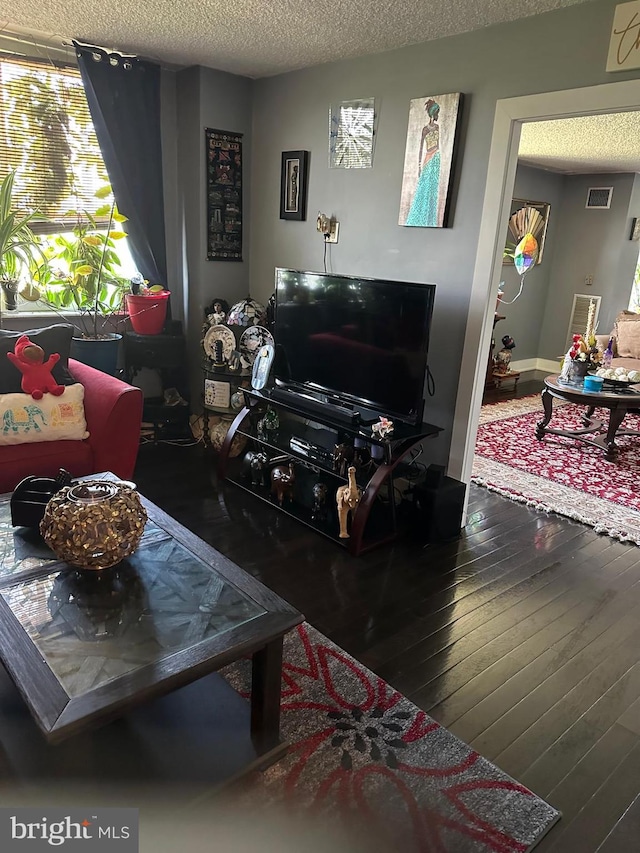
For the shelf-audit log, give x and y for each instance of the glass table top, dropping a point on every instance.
(92, 627)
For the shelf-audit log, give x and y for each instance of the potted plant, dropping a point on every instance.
(20, 252)
(82, 276)
(147, 307)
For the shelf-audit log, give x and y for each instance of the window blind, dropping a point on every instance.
(48, 138)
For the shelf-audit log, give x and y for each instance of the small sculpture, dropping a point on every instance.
(270, 422)
(257, 466)
(235, 362)
(218, 358)
(347, 499)
(342, 458)
(282, 480)
(383, 428)
(502, 359)
(319, 511)
(216, 313)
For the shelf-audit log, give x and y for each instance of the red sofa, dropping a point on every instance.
(113, 411)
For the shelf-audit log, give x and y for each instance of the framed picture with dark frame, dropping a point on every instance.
(293, 185)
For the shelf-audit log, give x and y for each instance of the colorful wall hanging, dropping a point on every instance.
(428, 160)
(224, 195)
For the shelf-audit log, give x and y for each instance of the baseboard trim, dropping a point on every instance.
(545, 365)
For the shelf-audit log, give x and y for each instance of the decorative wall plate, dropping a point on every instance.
(219, 333)
(252, 339)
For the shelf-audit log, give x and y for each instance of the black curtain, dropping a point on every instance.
(124, 99)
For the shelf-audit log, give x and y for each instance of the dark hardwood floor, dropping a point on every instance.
(522, 637)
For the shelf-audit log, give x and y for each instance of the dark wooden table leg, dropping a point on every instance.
(547, 403)
(615, 419)
(266, 681)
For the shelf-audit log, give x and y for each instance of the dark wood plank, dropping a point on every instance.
(626, 833)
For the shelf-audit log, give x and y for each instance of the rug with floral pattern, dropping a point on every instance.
(559, 474)
(362, 755)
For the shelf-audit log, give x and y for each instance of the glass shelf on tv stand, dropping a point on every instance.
(402, 432)
(375, 478)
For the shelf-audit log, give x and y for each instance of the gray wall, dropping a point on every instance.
(563, 49)
(523, 320)
(208, 98)
(589, 243)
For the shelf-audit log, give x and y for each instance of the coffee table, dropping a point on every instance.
(594, 431)
(86, 647)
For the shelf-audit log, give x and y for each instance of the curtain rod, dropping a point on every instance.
(35, 43)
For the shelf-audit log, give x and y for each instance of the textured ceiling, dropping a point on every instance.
(587, 144)
(257, 38)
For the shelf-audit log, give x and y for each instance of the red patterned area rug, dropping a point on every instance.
(364, 757)
(559, 474)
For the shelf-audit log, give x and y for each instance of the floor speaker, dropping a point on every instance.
(437, 509)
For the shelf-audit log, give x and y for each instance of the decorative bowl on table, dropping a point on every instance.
(618, 378)
(94, 524)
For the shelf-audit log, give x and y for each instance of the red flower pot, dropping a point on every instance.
(147, 312)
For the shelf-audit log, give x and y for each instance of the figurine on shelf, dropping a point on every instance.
(270, 421)
(383, 428)
(347, 499)
(255, 463)
(216, 313)
(218, 358)
(502, 359)
(319, 510)
(283, 478)
(234, 365)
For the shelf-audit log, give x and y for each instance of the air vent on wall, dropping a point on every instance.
(599, 197)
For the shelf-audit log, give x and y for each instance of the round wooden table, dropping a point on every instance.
(594, 431)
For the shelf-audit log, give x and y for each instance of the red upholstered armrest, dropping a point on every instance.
(113, 411)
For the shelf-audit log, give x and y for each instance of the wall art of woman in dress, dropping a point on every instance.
(424, 207)
(428, 160)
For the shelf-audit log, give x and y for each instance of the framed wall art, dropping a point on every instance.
(526, 217)
(293, 185)
(428, 160)
(351, 131)
(224, 195)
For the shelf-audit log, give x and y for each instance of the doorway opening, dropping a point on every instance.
(511, 114)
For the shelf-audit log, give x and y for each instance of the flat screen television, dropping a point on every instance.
(360, 341)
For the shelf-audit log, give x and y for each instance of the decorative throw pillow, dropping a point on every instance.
(52, 339)
(23, 419)
(628, 335)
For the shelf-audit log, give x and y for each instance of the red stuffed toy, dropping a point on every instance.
(36, 373)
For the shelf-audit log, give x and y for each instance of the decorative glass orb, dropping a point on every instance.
(94, 524)
(248, 312)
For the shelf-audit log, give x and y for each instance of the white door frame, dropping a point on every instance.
(511, 113)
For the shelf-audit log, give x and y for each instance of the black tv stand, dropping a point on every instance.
(306, 438)
(309, 403)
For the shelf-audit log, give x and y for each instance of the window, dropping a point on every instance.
(47, 137)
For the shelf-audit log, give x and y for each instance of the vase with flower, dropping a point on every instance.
(584, 354)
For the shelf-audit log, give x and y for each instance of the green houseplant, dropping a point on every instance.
(82, 276)
(20, 252)
(82, 269)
